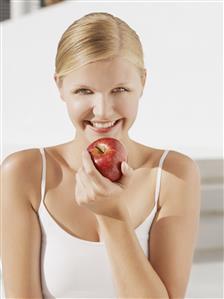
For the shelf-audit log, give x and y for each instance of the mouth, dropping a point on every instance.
(102, 127)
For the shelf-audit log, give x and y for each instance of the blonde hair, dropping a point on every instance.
(97, 36)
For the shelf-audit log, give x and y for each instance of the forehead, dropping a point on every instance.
(104, 73)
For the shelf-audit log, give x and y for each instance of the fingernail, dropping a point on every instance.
(125, 166)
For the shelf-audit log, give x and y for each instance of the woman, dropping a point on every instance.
(70, 232)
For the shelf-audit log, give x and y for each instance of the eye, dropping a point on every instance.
(83, 91)
(120, 89)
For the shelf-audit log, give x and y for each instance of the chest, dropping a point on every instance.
(79, 221)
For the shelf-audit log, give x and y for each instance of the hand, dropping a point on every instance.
(98, 193)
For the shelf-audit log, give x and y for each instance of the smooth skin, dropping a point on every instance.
(94, 93)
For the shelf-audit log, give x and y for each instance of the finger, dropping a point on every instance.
(99, 180)
(126, 169)
(87, 184)
(96, 187)
(127, 173)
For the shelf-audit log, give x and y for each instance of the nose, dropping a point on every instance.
(103, 107)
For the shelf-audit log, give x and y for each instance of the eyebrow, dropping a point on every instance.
(87, 86)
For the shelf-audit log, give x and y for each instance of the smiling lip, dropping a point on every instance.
(104, 130)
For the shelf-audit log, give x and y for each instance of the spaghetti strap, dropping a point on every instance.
(158, 179)
(43, 180)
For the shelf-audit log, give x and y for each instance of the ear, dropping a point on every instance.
(58, 82)
(143, 78)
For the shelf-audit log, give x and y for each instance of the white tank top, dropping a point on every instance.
(75, 268)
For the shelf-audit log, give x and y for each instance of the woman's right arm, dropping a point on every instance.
(20, 231)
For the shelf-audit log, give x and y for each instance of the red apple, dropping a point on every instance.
(107, 155)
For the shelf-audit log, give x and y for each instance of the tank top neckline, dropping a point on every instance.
(43, 206)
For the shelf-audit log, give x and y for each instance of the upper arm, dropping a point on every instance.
(20, 232)
(173, 234)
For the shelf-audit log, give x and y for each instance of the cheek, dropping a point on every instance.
(129, 107)
(76, 109)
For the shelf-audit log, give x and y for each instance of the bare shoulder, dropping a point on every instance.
(179, 172)
(24, 168)
(175, 164)
(178, 169)
(23, 157)
(25, 162)
(181, 166)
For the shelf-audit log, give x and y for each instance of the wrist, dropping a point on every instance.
(115, 212)
(117, 217)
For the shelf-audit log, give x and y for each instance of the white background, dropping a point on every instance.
(182, 104)
(181, 108)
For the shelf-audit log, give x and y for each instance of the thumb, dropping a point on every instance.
(127, 172)
(126, 169)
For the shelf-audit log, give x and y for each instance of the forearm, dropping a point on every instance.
(133, 274)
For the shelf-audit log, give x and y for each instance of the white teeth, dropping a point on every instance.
(103, 125)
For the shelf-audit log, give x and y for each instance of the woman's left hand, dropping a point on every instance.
(98, 193)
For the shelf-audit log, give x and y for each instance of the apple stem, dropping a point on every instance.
(100, 149)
